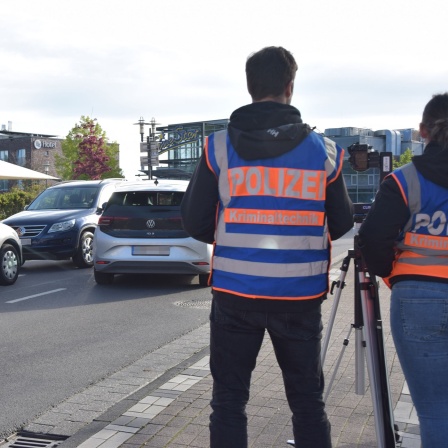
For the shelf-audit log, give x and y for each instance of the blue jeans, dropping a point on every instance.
(419, 323)
(236, 338)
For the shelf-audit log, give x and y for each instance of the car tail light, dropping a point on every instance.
(105, 221)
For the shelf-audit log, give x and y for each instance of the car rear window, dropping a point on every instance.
(143, 214)
(146, 198)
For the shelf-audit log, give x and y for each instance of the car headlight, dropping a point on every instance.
(62, 226)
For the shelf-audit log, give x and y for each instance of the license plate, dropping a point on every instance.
(151, 250)
(26, 241)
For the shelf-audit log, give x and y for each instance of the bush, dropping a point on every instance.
(15, 200)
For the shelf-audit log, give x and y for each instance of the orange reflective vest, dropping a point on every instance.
(422, 247)
(271, 236)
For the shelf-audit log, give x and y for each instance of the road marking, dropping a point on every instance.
(37, 295)
(338, 258)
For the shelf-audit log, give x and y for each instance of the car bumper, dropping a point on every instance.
(179, 256)
(58, 247)
(151, 267)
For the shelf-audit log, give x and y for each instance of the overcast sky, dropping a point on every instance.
(371, 64)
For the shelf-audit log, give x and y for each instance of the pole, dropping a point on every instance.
(148, 146)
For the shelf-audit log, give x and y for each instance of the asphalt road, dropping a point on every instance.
(60, 332)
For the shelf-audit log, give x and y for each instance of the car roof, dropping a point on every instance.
(85, 183)
(159, 185)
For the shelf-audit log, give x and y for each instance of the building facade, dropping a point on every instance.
(174, 151)
(362, 186)
(33, 151)
(178, 148)
(182, 145)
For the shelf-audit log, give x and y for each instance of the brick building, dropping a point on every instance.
(33, 151)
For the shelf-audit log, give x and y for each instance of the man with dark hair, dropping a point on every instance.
(269, 71)
(269, 194)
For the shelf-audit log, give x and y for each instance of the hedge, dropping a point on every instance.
(14, 201)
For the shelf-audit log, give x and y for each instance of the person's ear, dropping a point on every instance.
(423, 131)
(289, 90)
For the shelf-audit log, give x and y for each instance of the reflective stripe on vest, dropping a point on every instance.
(281, 182)
(422, 248)
(277, 252)
(274, 217)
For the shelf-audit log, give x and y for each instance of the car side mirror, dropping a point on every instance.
(26, 207)
(100, 210)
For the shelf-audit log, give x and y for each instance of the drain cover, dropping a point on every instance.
(32, 440)
(200, 304)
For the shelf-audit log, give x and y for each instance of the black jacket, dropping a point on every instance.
(247, 132)
(389, 214)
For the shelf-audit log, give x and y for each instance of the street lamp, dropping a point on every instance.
(150, 140)
(46, 168)
(141, 123)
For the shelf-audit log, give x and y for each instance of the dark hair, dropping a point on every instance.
(435, 119)
(269, 71)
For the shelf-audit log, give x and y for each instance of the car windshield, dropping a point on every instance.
(65, 198)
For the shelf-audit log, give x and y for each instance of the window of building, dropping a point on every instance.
(4, 185)
(347, 180)
(363, 180)
(21, 157)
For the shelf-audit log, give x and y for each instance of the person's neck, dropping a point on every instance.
(276, 99)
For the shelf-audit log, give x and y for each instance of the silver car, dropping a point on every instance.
(10, 255)
(140, 231)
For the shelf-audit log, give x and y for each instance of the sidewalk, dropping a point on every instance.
(173, 409)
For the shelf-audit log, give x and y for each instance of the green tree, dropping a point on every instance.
(87, 154)
(405, 158)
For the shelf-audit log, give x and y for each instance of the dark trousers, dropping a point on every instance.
(236, 338)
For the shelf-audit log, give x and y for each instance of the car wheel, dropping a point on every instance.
(203, 279)
(103, 278)
(10, 264)
(84, 255)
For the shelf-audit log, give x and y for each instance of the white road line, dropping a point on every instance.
(338, 258)
(37, 295)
